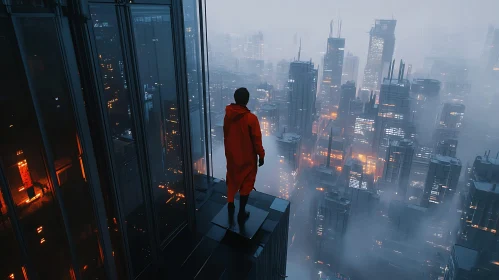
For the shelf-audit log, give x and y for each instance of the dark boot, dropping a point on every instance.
(231, 208)
(243, 215)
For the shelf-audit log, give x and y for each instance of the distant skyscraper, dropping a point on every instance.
(350, 68)
(491, 51)
(333, 213)
(255, 46)
(269, 119)
(302, 86)
(452, 115)
(364, 128)
(398, 164)
(380, 53)
(479, 222)
(347, 94)
(393, 122)
(288, 152)
(355, 110)
(332, 71)
(425, 103)
(447, 147)
(441, 180)
(353, 175)
(282, 74)
(467, 263)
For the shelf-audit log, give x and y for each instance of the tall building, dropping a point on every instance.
(332, 71)
(380, 53)
(447, 147)
(332, 217)
(356, 109)
(364, 128)
(425, 95)
(282, 74)
(469, 264)
(491, 51)
(105, 156)
(255, 46)
(347, 94)
(302, 89)
(350, 69)
(353, 174)
(452, 115)
(394, 112)
(419, 171)
(479, 221)
(288, 152)
(268, 114)
(398, 164)
(441, 180)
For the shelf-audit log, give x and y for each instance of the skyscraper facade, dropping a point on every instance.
(398, 164)
(302, 90)
(332, 71)
(105, 148)
(447, 147)
(394, 114)
(380, 53)
(441, 180)
(347, 94)
(350, 68)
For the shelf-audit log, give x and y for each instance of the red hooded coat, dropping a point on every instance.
(243, 143)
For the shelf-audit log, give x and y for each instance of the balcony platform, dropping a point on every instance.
(246, 229)
(215, 251)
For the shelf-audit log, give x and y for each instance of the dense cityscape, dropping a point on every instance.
(379, 121)
(382, 166)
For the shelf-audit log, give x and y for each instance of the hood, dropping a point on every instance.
(235, 112)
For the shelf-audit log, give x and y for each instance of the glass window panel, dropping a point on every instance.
(24, 166)
(116, 100)
(39, 42)
(154, 48)
(195, 86)
(12, 267)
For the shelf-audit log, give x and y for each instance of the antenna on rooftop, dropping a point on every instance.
(331, 29)
(299, 51)
(339, 31)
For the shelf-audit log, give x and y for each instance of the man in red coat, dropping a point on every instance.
(243, 149)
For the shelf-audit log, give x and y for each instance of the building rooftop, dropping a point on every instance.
(211, 253)
(268, 107)
(488, 160)
(289, 137)
(465, 257)
(401, 143)
(396, 82)
(337, 198)
(486, 187)
(445, 159)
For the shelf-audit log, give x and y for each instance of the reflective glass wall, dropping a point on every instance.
(104, 134)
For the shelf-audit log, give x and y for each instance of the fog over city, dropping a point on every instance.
(424, 27)
(383, 136)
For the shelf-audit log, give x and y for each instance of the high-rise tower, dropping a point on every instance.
(332, 69)
(380, 53)
(302, 86)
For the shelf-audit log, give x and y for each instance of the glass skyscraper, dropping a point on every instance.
(105, 168)
(380, 53)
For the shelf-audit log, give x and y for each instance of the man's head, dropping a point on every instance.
(241, 96)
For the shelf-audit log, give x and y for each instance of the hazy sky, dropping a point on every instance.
(454, 27)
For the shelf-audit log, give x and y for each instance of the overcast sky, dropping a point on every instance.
(424, 27)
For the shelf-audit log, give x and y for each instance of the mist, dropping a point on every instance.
(399, 239)
(424, 27)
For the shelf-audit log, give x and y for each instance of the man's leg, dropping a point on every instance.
(231, 191)
(244, 192)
